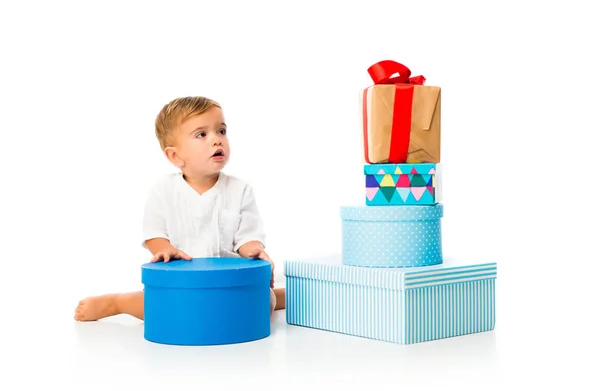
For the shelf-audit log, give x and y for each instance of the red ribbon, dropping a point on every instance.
(381, 73)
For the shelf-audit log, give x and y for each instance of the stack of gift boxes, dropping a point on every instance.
(391, 281)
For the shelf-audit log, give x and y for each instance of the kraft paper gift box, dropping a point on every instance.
(392, 236)
(403, 306)
(400, 117)
(401, 184)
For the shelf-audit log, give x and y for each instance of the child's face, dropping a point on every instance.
(201, 144)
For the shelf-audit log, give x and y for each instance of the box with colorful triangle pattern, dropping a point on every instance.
(401, 184)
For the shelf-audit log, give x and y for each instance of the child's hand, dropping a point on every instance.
(264, 256)
(257, 251)
(170, 253)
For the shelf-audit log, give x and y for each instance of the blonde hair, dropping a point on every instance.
(177, 111)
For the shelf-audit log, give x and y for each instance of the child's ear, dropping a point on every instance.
(173, 156)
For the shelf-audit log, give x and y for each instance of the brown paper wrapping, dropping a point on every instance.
(424, 145)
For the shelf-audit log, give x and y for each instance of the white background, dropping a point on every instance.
(81, 84)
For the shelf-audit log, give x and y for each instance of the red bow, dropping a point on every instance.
(382, 71)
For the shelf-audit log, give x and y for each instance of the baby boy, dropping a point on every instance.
(197, 212)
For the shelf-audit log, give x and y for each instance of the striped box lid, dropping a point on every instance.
(330, 268)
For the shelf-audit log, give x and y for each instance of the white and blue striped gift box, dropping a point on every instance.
(402, 306)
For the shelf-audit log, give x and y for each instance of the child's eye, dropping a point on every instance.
(223, 131)
(201, 134)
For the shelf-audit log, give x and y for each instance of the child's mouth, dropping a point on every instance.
(219, 154)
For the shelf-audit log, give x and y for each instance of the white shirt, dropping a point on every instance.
(213, 224)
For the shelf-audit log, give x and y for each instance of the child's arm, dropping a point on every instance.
(250, 237)
(156, 238)
(162, 249)
(157, 244)
(250, 234)
(251, 249)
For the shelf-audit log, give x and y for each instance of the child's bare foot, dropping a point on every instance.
(96, 307)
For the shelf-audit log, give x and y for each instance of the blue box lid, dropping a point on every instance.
(392, 212)
(401, 168)
(206, 273)
(331, 269)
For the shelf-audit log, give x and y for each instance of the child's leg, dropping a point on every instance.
(98, 307)
(280, 297)
(132, 303)
(273, 301)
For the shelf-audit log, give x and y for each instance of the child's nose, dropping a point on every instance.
(216, 139)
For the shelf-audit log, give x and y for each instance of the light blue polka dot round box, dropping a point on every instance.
(392, 236)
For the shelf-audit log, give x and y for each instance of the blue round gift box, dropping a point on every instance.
(392, 236)
(207, 301)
